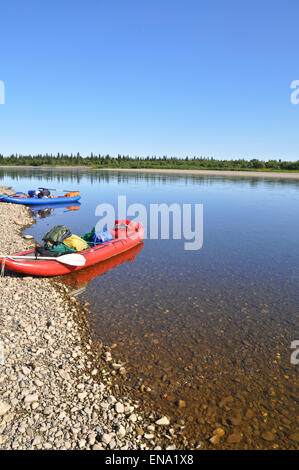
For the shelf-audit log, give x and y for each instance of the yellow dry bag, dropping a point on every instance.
(76, 243)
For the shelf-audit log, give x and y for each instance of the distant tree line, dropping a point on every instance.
(122, 161)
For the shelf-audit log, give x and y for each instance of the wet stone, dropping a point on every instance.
(268, 436)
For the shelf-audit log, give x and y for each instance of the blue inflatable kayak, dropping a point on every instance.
(32, 201)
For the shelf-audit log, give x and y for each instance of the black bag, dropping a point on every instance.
(42, 251)
(43, 193)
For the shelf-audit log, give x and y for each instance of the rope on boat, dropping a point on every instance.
(3, 266)
(121, 226)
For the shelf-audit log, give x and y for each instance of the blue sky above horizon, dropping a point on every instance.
(153, 77)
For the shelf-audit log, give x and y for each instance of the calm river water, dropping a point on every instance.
(208, 331)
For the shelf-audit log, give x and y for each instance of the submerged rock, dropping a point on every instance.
(163, 421)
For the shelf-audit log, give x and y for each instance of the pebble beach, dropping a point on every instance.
(58, 390)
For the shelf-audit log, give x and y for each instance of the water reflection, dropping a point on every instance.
(79, 280)
(76, 176)
(45, 210)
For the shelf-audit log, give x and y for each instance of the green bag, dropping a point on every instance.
(56, 235)
(60, 248)
(88, 237)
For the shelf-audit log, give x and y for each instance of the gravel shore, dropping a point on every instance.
(235, 173)
(231, 173)
(57, 390)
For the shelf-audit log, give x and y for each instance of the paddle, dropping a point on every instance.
(67, 190)
(49, 189)
(72, 259)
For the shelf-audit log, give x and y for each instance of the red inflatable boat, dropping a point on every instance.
(126, 233)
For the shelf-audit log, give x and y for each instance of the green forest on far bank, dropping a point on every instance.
(121, 161)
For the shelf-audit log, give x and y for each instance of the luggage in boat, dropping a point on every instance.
(27, 262)
(72, 194)
(101, 237)
(94, 238)
(59, 249)
(43, 193)
(51, 251)
(88, 237)
(56, 235)
(39, 193)
(76, 243)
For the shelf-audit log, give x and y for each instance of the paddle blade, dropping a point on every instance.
(72, 259)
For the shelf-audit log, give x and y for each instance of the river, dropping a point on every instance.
(205, 334)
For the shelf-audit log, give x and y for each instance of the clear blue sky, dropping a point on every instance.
(150, 77)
